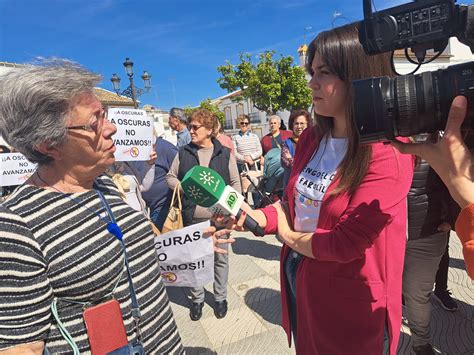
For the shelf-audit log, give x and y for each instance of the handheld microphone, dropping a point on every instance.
(206, 188)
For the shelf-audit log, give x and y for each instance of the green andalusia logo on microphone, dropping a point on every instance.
(206, 178)
(203, 185)
(195, 192)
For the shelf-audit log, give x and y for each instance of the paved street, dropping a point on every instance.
(252, 323)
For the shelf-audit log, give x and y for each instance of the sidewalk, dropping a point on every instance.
(252, 322)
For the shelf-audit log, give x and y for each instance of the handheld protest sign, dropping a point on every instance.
(134, 137)
(203, 186)
(15, 169)
(185, 256)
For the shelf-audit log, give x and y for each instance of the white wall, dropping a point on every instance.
(460, 54)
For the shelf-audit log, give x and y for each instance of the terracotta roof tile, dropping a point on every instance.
(400, 53)
(110, 98)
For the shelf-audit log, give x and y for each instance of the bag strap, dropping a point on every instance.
(278, 142)
(176, 192)
(290, 144)
(179, 197)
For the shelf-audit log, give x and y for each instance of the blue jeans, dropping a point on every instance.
(135, 348)
(158, 217)
(291, 266)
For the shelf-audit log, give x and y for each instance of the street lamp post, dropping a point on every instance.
(131, 91)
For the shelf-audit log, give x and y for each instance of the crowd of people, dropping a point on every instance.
(78, 233)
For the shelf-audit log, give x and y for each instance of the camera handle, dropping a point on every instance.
(466, 36)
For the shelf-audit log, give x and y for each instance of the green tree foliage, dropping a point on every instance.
(208, 105)
(272, 85)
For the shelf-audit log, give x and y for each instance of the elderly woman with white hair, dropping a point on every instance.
(272, 143)
(276, 137)
(74, 257)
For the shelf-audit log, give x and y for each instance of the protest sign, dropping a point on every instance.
(186, 258)
(134, 137)
(15, 169)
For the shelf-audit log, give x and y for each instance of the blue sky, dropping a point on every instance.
(179, 43)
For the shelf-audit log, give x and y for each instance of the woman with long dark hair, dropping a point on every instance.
(343, 219)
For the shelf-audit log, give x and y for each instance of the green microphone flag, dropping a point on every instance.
(206, 188)
(203, 186)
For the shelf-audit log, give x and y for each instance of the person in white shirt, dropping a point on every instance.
(247, 146)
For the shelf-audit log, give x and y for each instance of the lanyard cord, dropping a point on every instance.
(115, 230)
(107, 208)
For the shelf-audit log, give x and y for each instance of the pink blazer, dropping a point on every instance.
(353, 286)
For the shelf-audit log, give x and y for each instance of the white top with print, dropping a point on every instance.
(314, 180)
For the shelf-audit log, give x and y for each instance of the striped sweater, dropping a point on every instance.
(246, 144)
(52, 246)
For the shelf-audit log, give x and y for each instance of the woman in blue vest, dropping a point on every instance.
(205, 150)
(298, 121)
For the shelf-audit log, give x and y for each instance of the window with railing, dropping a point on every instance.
(228, 118)
(240, 109)
(256, 117)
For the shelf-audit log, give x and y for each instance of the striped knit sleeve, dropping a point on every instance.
(257, 151)
(238, 155)
(25, 291)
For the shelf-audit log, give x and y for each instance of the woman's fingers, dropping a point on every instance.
(220, 220)
(222, 241)
(218, 240)
(229, 222)
(209, 232)
(240, 221)
(222, 232)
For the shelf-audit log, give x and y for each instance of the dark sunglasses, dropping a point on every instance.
(194, 127)
(244, 123)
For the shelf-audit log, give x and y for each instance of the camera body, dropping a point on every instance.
(385, 108)
(406, 105)
(427, 23)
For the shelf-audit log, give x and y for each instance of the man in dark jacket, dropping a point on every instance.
(428, 233)
(158, 197)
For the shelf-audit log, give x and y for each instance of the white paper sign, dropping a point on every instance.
(134, 137)
(15, 169)
(186, 258)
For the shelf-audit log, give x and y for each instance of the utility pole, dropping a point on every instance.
(172, 88)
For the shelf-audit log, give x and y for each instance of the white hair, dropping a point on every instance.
(35, 102)
(274, 117)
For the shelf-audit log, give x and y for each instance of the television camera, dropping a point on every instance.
(406, 105)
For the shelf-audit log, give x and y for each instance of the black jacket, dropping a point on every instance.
(429, 203)
(188, 158)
